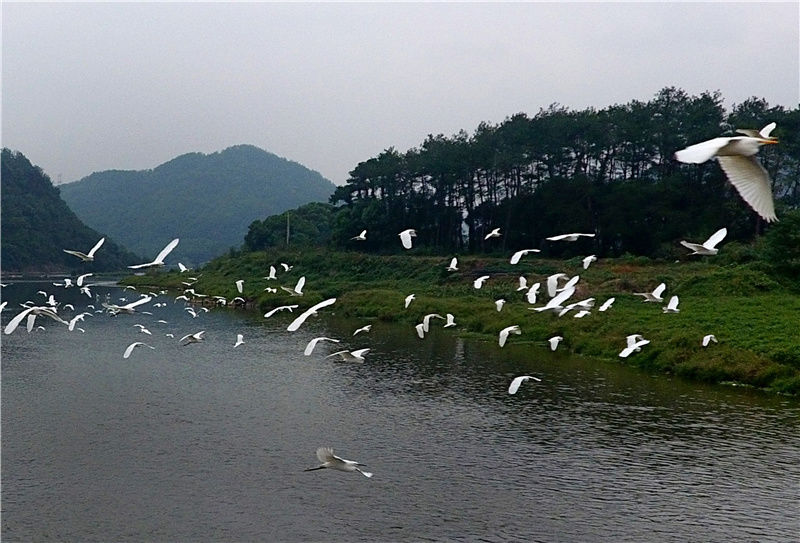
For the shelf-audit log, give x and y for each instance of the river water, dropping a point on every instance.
(209, 443)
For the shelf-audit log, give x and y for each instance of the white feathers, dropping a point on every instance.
(478, 283)
(453, 265)
(708, 339)
(239, 340)
(295, 324)
(515, 384)
(493, 234)
(87, 257)
(405, 237)
(587, 261)
(313, 343)
(132, 346)
(569, 237)
(408, 300)
(672, 306)
(655, 296)
(330, 461)
(361, 237)
(554, 341)
(504, 333)
(708, 247)
(298, 288)
(519, 254)
(158, 261)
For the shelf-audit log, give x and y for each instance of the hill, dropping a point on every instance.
(37, 224)
(208, 201)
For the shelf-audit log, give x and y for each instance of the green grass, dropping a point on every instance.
(754, 316)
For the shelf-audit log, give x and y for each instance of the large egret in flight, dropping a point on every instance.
(158, 262)
(514, 386)
(87, 257)
(709, 246)
(405, 237)
(331, 461)
(295, 324)
(737, 157)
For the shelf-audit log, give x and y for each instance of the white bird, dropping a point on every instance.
(298, 288)
(295, 324)
(182, 268)
(366, 328)
(672, 306)
(708, 339)
(555, 303)
(271, 290)
(81, 278)
(408, 300)
(582, 313)
(453, 265)
(191, 311)
(584, 305)
(405, 237)
(737, 157)
(193, 338)
(571, 283)
(493, 234)
(499, 304)
(271, 273)
(503, 337)
(709, 246)
(552, 283)
(519, 254)
(451, 320)
(288, 308)
(426, 320)
(132, 346)
(286, 267)
(523, 283)
(142, 329)
(655, 296)
(85, 290)
(361, 237)
(239, 340)
(554, 341)
(587, 261)
(350, 356)
(240, 285)
(331, 461)
(514, 386)
(635, 343)
(420, 328)
(127, 308)
(532, 292)
(86, 257)
(478, 283)
(159, 259)
(606, 305)
(31, 313)
(569, 237)
(313, 343)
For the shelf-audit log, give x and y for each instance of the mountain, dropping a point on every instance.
(208, 201)
(36, 224)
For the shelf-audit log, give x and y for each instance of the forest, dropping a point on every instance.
(609, 171)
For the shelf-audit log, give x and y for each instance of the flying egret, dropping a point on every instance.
(588, 261)
(182, 268)
(271, 290)
(453, 265)
(532, 292)
(655, 296)
(361, 237)
(499, 304)
(142, 329)
(239, 340)
(514, 386)
(451, 320)
(31, 313)
(569, 237)
(286, 267)
(350, 356)
(493, 234)
(408, 300)
(708, 339)
(635, 343)
(552, 283)
(554, 341)
(331, 461)
(405, 237)
(519, 254)
(132, 346)
(313, 343)
(127, 308)
(364, 329)
(672, 306)
(191, 311)
(87, 257)
(478, 283)
(426, 320)
(523, 283)
(288, 308)
(298, 288)
(82, 278)
(271, 274)
(420, 328)
(606, 305)
(555, 303)
(709, 246)
(295, 324)
(737, 157)
(503, 337)
(240, 285)
(158, 262)
(192, 338)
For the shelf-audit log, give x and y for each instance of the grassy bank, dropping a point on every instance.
(755, 317)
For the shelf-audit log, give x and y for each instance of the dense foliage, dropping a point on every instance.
(306, 226)
(37, 225)
(608, 171)
(208, 201)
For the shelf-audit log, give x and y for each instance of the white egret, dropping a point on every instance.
(331, 461)
(31, 313)
(239, 340)
(420, 328)
(552, 283)
(159, 259)
(350, 356)
(191, 311)
(240, 285)
(82, 278)
(503, 337)
(361, 237)
(569, 237)
(582, 313)
(295, 324)
(132, 346)
(555, 303)
(286, 267)
(313, 343)
(408, 300)
(708, 339)
(606, 305)
(271, 290)
(493, 234)
(554, 341)
(143, 330)
(453, 265)
(709, 246)
(532, 292)
(86, 257)
(514, 386)
(499, 304)
(523, 283)
(364, 329)
(635, 343)
(298, 288)
(478, 283)
(271, 274)
(672, 306)
(127, 308)
(519, 254)
(405, 237)
(587, 261)
(451, 320)
(182, 268)
(655, 296)
(193, 338)
(288, 308)
(426, 320)
(737, 157)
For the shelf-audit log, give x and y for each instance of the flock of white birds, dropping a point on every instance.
(735, 154)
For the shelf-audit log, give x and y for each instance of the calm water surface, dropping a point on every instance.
(208, 443)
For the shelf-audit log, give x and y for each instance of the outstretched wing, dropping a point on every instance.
(167, 250)
(13, 323)
(325, 454)
(700, 152)
(295, 324)
(300, 284)
(715, 238)
(96, 247)
(752, 181)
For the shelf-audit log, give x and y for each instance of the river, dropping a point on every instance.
(209, 443)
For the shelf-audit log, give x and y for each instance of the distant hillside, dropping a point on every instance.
(37, 225)
(208, 201)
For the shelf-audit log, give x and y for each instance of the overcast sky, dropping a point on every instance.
(95, 86)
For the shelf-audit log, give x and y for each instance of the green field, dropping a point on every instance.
(755, 317)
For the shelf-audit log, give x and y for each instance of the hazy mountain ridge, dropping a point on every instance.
(208, 201)
(37, 225)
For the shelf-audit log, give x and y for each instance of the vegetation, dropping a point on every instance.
(207, 201)
(37, 225)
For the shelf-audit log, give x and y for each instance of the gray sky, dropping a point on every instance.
(95, 86)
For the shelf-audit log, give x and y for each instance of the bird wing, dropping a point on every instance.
(696, 247)
(700, 152)
(454, 263)
(516, 256)
(96, 247)
(405, 239)
(673, 303)
(752, 181)
(295, 324)
(166, 250)
(767, 130)
(13, 323)
(715, 238)
(325, 454)
(561, 297)
(75, 253)
(359, 353)
(80, 279)
(514, 386)
(659, 290)
(300, 284)
(130, 348)
(140, 301)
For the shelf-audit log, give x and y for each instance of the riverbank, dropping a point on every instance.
(755, 318)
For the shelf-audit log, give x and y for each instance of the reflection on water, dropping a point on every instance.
(208, 443)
